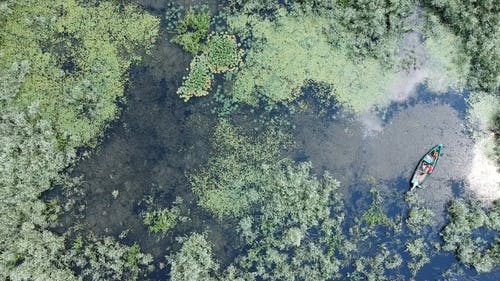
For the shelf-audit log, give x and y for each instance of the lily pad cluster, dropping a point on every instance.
(221, 54)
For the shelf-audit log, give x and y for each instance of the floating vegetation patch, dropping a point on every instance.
(292, 50)
(198, 81)
(192, 30)
(194, 261)
(213, 53)
(417, 249)
(223, 53)
(106, 259)
(220, 54)
(161, 220)
(465, 234)
(375, 215)
(418, 215)
(374, 268)
(446, 60)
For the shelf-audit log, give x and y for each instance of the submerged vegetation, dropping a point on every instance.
(472, 233)
(106, 259)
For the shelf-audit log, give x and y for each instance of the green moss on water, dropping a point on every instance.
(220, 54)
(198, 81)
(292, 50)
(223, 53)
(447, 62)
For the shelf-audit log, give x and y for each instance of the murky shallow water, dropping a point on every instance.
(352, 152)
(160, 139)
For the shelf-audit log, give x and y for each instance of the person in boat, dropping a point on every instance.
(426, 168)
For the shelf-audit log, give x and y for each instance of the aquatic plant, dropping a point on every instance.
(52, 210)
(476, 22)
(374, 268)
(291, 50)
(107, 259)
(223, 53)
(369, 27)
(466, 234)
(418, 215)
(194, 261)
(375, 215)
(161, 220)
(418, 252)
(230, 184)
(296, 205)
(481, 112)
(192, 30)
(483, 120)
(280, 206)
(63, 66)
(198, 81)
(447, 63)
(418, 218)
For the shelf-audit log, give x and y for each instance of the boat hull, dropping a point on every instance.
(421, 172)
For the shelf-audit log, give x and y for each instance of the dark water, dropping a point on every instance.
(159, 139)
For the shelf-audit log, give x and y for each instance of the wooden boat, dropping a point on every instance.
(426, 166)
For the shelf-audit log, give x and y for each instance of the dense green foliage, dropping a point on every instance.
(369, 27)
(106, 259)
(63, 66)
(483, 120)
(293, 49)
(161, 220)
(279, 205)
(230, 185)
(194, 261)
(467, 231)
(220, 54)
(297, 230)
(446, 59)
(477, 23)
(192, 30)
